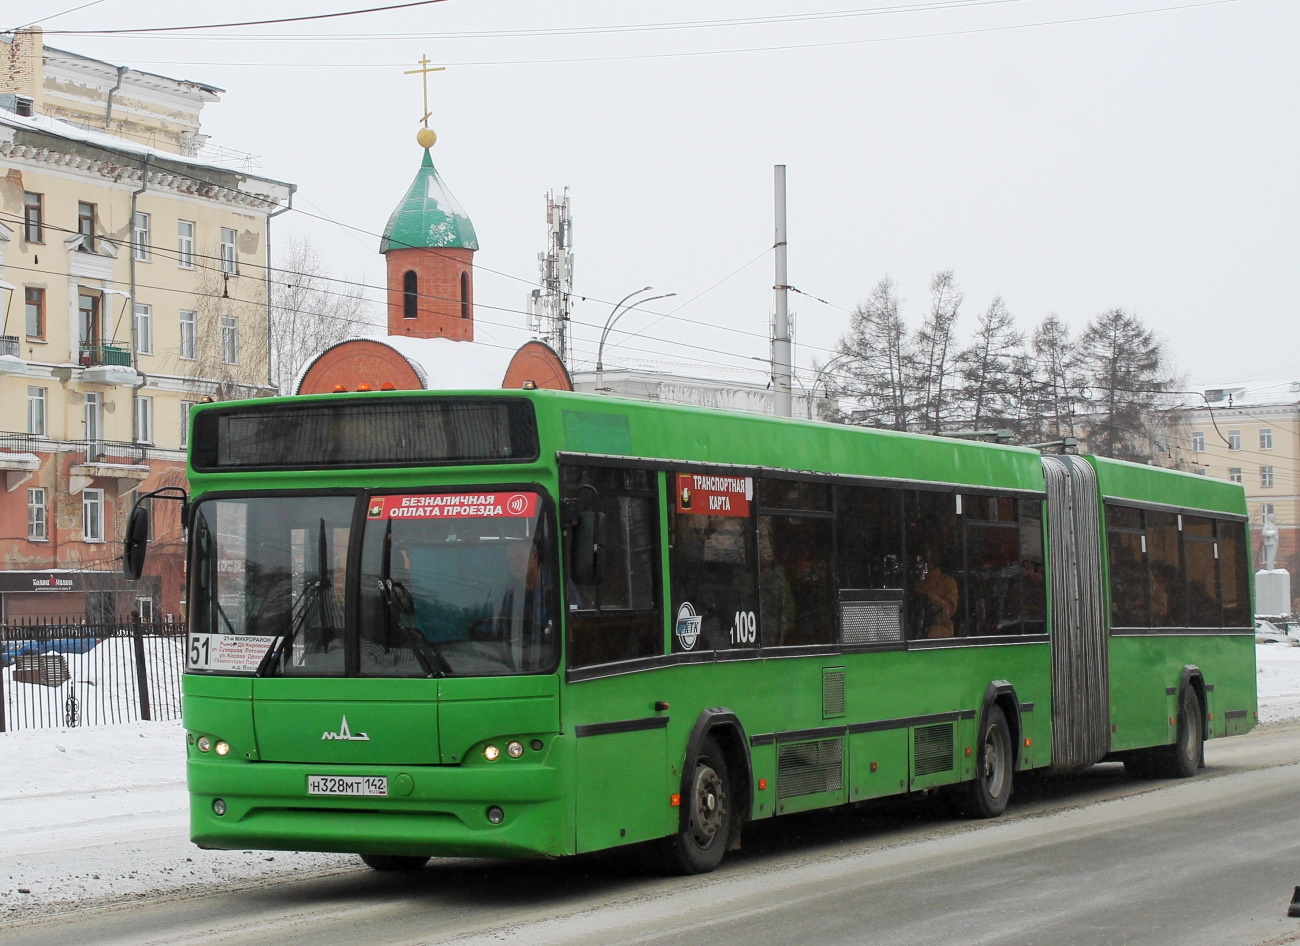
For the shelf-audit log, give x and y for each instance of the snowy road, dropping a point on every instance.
(95, 818)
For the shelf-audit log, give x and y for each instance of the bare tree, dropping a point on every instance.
(310, 312)
(990, 369)
(1051, 389)
(934, 351)
(878, 362)
(1128, 369)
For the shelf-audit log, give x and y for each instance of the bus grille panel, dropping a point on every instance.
(871, 621)
(809, 768)
(933, 749)
(832, 693)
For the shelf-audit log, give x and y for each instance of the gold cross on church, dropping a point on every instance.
(424, 71)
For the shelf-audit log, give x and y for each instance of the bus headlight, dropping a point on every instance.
(491, 753)
(204, 744)
(222, 747)
(514, 750)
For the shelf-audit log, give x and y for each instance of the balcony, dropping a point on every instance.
(106, 363)
(18, 459)
(128, 463)
(104, 353)
(11, 359)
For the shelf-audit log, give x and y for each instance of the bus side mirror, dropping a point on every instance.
(588, 546)
(137, 540)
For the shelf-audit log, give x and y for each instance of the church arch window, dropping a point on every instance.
(410, 295)
(464, 295)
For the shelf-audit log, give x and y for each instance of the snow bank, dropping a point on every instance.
(99, 814)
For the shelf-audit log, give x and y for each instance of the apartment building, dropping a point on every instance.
(133, 283)
(1251, 435)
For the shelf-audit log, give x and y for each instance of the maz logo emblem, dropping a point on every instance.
(345, 733)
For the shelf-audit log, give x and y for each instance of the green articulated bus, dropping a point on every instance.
(535, 623)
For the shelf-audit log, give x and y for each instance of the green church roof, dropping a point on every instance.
(429, 216)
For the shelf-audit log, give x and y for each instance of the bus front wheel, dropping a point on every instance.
(394, 861)
(1185, 756)
(987, 795)
(701, 842)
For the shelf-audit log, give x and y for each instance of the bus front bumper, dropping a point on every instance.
(440, 811)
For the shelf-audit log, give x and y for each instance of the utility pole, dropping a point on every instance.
(548, 307)
(782, 405)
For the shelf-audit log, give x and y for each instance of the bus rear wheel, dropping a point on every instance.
(396, 862)
(701, 842)
(1185, 756)
(986, 796)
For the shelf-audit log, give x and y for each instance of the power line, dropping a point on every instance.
(215, 26)
(972, 31)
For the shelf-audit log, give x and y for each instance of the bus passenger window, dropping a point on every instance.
(796, 564)
(1032, 571)
(935, 606)
(1234, 573)
(714, 594)
(619, 618)
(1129, 589)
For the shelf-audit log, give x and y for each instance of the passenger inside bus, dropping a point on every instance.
(937, 593)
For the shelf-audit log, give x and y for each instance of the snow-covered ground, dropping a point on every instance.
(99, 813)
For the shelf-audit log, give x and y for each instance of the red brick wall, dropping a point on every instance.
(356, 362)
(537, 362)
(440, 310)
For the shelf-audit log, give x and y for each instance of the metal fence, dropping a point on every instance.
(60, 674)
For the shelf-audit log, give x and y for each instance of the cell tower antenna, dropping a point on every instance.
(549, 306)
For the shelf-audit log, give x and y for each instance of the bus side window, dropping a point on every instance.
(619, 618)
(1129, 586)
(1234, 573)
(936, 604)
(795, 563)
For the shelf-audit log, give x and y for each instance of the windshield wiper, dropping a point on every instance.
(389, 592)
(298, 618)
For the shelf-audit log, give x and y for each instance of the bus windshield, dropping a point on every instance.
(445, 584)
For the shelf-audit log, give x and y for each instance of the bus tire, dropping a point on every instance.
(986, 795)
(1183, 758)
(701, 842)
(394, 862)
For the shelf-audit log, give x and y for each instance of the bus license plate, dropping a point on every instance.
(347, 785)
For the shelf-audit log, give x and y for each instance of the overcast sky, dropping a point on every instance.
(1068, 155)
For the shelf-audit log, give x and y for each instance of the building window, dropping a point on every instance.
(88, 319)
(34, 296)
(185, 243)
(143, 328)
(86, 225)
(229, 340)
(1266, 438)
(464, 295)
(1198, 441)
(33, 217)
(185, 422)
(92, 515)
(37, 519)
(228, 262)
(1234, 474)
(143, 419)
(1266, 476)
(188, 327)
(144, 608)
(36, 411)
(1265, 510)
(1234, 440)
(140, 246)
(410, 295)
(92, 418)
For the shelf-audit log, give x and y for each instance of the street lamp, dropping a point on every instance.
(619, 310)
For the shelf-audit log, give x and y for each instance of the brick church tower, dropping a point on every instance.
(429, 244)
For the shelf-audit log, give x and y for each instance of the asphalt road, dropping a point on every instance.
(1095, 860)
